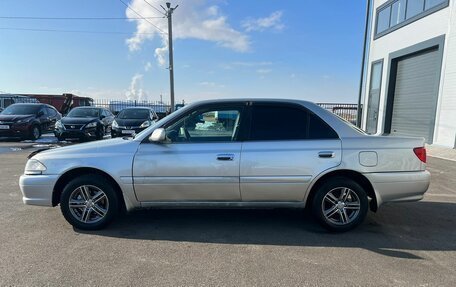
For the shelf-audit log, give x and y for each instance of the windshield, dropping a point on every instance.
(21, 110)
(84, 113)
(134, 114)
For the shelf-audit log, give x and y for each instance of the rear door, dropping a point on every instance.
(286, 148)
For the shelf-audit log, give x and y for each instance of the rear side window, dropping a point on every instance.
(318, 129)
(287, 123)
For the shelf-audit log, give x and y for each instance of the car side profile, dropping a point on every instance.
(255, 153)
(28, 121)
(84, 123)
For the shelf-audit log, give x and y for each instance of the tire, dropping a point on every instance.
(340, 204)
(100, 133)
(35, 132)
(90, 210)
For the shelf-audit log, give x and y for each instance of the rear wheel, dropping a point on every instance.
(340, 204)
(89, 202)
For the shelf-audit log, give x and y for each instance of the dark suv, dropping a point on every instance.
(28, 120)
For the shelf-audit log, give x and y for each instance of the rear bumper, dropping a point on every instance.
(37, 189)
(399, 186)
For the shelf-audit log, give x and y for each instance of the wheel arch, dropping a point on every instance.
(354, 175)
(76, 172)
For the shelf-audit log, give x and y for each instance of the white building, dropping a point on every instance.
(411, 70)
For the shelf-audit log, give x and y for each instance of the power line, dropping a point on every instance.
(156, 9)
(75, 18)
(128, 6)
(70, 31)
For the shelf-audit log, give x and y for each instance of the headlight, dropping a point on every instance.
(34, 167)
(91, 125)
(115, 124)
(59, 125)
(24, 121)
(145, 124)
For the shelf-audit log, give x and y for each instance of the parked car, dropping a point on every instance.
(303, 156)
(84, 123)
(131, 121)
(28, 121)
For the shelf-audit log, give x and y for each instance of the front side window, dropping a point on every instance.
(208, 125)
(51, 112)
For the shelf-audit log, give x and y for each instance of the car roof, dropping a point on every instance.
(138, 108)
(88, 107)
(29, 104)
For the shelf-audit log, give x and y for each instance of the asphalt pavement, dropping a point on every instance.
(406, 244)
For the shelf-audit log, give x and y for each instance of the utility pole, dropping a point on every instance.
(169, 14)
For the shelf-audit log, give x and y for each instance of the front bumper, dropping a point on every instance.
(117, 132)
(37, 189)
(399, 186)
(17, 130)
(76, 133)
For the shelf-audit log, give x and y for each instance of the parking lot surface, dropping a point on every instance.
(402, 244)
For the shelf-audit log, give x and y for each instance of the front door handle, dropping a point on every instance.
(326, 154)
(225, 156)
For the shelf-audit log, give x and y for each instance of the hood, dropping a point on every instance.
(14, 118)
(77, 121)
(130, 122)
(91, 149)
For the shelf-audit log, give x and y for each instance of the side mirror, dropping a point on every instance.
(102, 117)
(158, 135)
(40, 113)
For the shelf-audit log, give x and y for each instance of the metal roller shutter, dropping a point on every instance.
(415, 96)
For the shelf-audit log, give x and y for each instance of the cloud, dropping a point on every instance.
(147, 66)
(273, 21)
(211, 84)
(191, 20)
(263, 71)
(245, 64)
(135, 91)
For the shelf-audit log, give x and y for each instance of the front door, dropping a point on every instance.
(199, 161)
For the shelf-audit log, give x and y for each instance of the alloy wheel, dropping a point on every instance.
(88, 204)
(341, 206)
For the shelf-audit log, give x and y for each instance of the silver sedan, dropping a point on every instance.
(255, 153)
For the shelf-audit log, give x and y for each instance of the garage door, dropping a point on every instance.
(415, 95)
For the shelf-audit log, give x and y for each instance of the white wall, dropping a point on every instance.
(431, 26)
(446, 118)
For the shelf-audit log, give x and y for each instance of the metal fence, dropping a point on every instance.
(116, 106)
(346, 111)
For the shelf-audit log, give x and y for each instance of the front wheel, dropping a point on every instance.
(89, 202)
(100, 133)
(340, 204)
(35, 132)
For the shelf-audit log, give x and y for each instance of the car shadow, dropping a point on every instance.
(396, 230)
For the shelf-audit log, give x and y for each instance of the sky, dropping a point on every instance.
(298, 49)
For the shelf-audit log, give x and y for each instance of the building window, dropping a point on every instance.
(395, 14)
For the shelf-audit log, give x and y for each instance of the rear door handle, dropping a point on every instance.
(326, 154)
(225, 156)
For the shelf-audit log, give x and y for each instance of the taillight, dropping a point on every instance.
(420, 153)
